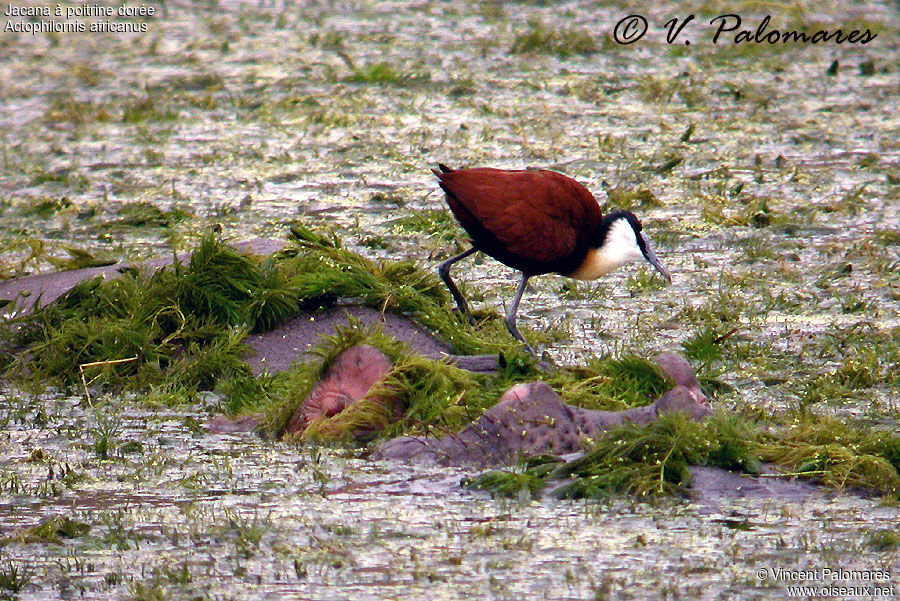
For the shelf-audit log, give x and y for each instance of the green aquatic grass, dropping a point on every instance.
(50, 530)
(147, 109)
(507, 483)
(883, 540)
(651, 460)
(721, 210)
(146, 214)
(837, 454)
(322, 272)
(66, 109)
(183, 323)
(180, 329)
(385, 73)
(20, 255)
(709, 343)
(376, 73)
(436, 223)
(66, 178)
(436, 398)
(46, 206)
(643, 281)
(78, 259)
(630, 380)
(542, 39)
(13, 578)
(629, 198)
(610, 383)
(858, 358)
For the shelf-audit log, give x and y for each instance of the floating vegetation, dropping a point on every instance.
(837, 454)
(883, 540)
(20, 256)
(707, 343)
(184, 324)
(509, 483)
(13, 578)
(146, 214)
(422, 396)
(753, 212)
(540, 39)
(68, 109)
(260, 93)
(78, 259)
(630, 198)
(47, 206)
(644, 281)
(52, 530)
(631, 381)
(100, 321)
(384, 73)
(147, 109)
(437, 223)
(64, 177)
(322, 272)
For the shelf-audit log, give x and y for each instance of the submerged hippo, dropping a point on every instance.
(531, 419)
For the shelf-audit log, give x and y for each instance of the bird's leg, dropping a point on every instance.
(511, 314)
(444, 272)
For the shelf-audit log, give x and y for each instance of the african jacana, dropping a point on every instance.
(538, 222)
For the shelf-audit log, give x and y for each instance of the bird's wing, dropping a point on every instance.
(541, 216)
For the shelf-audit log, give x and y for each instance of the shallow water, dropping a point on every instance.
(229, 517)
(255, 120)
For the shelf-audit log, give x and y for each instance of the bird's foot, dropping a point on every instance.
(546, 363)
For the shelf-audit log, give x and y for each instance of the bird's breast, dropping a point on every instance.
(596, 264)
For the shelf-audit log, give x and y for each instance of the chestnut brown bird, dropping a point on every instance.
(538, 222)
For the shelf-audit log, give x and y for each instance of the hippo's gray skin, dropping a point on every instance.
(531, 419)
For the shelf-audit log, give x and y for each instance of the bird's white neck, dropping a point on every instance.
(619, 248)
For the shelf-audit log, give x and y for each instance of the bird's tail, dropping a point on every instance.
(443, 169)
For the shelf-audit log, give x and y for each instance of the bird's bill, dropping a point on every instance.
(653, 260)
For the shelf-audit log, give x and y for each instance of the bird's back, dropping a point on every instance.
(533, 220)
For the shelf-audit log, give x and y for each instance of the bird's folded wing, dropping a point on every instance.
(532, 234)
(537, 215)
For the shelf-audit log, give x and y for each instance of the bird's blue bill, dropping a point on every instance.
(653, 260)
